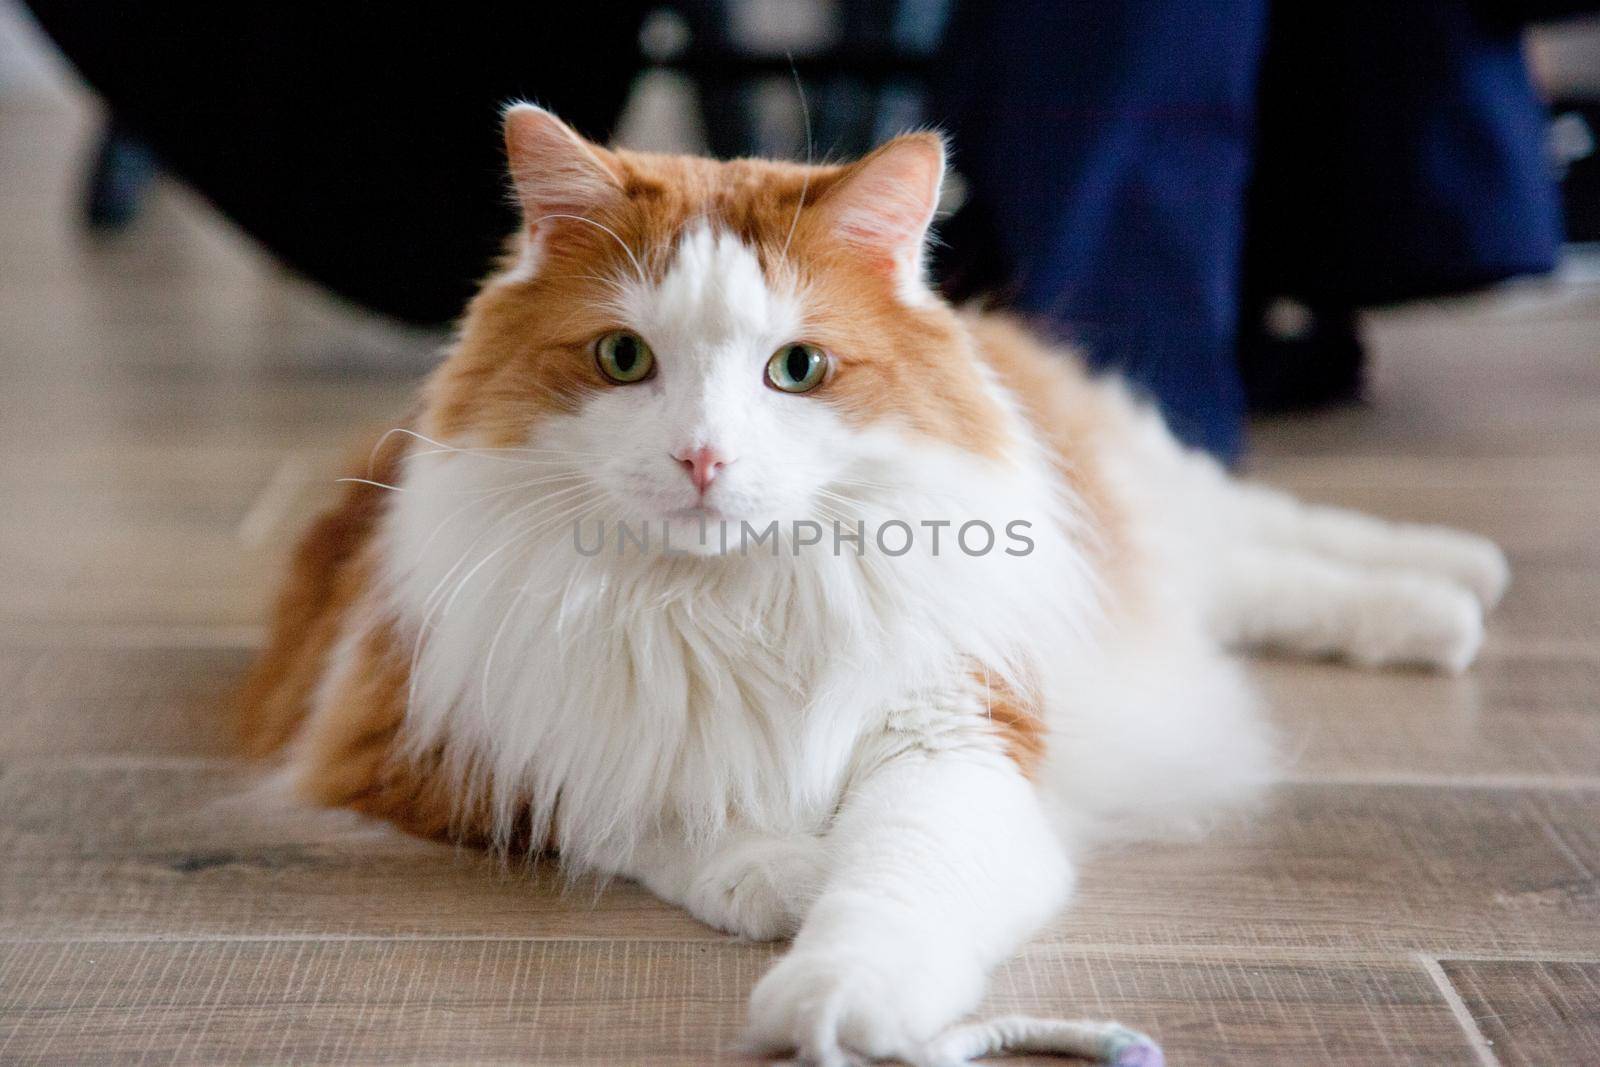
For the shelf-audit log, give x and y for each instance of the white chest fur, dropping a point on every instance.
(624, 691)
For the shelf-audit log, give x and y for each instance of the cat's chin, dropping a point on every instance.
(695, 515)
(699, 531)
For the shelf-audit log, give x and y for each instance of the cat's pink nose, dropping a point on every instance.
(701, 464)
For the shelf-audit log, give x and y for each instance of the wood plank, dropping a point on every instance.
(1557, 605)
(1534, 1014)
(313, 412)
(1539, 509)
(92, 537)
(1523, 714)
(109, 849)
(1364, 868)
(657, 1002)
(142, 702)
(1231, 1008)
(1465, 380)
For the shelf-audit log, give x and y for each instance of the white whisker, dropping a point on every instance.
(437, 599)
(586, 507)
(487, 453)
(605, 229)
(520, 451)
(805, 183)
(540, 521)
(430, 602)
(378, 485)
(477, 493)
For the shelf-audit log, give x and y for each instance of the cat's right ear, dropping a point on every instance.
(556, 172)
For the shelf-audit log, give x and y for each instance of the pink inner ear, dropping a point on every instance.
(556, 172)
(888, 199)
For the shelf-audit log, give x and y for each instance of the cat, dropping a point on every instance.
(983, 625)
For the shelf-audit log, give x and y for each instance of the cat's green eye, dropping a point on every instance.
(624, 357)
(797, 368)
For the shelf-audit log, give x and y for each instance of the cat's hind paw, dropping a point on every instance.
(1474, 563)
(1375, 616)
(1410, 619)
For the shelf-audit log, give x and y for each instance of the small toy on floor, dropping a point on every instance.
(1108, 1043)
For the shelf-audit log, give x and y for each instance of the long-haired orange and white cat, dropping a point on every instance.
(979, 625)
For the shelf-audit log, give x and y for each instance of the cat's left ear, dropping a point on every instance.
(884, 203)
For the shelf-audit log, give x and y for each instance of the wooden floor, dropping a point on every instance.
(1424, 890)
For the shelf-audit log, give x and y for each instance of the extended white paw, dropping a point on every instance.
(1484, 570)
(831, 1006)
(1466, 559)
(1410, 619)
(758, 887)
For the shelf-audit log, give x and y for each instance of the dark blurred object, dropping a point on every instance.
(1514, 14)
(1575, 137)
(863, 86)
(1134, 184)
(358, 143)
(1297, 358)
(1402, 153)
(119, 179)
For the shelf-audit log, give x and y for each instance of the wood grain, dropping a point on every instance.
(144, 702)
(133, 535)
(144, 849)
(1533, 1014)
(1539, 509)
(182, 849)
(1524, 714)
(1381, 869)
(583, 1002)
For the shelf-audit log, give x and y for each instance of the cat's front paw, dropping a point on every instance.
(833, 1005)
(759, 887)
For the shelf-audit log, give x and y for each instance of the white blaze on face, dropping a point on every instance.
(713, 321)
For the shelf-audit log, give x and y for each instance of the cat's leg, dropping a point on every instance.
(1298, 601)
(1270, 517)
(942, 862)
(746, 882)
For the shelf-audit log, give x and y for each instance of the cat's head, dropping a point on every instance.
(675, 338)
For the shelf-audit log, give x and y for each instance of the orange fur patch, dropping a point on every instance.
(1078, 424)
(351, 753)
(1017, 722)
(326, 576)
(355, 756)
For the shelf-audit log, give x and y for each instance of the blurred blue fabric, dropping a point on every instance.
(1110, 147)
